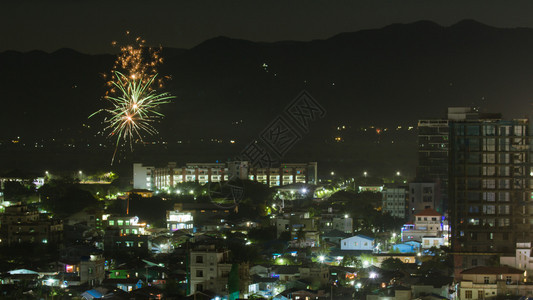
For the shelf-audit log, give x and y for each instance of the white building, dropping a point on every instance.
(490, 282)
(142, 176)
(522, 259)
(427, 229)
(177, 220)
(172, 174)
(209, 269)
(358, 242)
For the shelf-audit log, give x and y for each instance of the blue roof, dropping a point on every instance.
(94, 293)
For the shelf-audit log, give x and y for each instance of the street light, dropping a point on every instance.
(398, 173)
(332, 173)
(365, 173)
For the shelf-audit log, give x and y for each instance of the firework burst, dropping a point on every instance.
(133, 95)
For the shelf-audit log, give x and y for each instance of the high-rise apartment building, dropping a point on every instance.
(433, 159)
(489, 187)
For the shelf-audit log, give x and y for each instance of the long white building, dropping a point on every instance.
(153, 178)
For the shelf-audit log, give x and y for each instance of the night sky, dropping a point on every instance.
(90, 26)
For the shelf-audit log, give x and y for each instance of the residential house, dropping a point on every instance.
(210, 268)
(407, 247)
(177, 220)
(490, 282)
(358, 242)
(302, 294)
(427, 229)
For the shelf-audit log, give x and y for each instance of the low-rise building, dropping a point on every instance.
(210, 269)
(522, 258)
(19, 224)
(177, 220)
(427, 229)
(358, 242)
(490, 282)
(90, 269)
(126, 233)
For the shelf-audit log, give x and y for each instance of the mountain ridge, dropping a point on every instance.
(383, 77)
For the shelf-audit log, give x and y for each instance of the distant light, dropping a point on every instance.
(321, 258)
(304, 191)
(398, 173)
(365, 173)
(332, 173)
(373, 275)
(346, 216)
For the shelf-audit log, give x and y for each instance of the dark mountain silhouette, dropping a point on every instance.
(383, 77)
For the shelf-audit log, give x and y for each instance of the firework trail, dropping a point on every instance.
(133, 95)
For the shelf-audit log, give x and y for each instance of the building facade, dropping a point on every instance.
(202, 173)
(422, 195)
(395, 201)
(490, 187)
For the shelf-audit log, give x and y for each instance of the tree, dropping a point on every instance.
(233, 282)
(15, 191)
(392, 264)
(64, 197)
(351, 261)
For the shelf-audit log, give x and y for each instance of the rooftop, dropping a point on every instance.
(493, 270)
(428, 212)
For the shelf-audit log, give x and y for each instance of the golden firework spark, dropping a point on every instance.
(132, 96)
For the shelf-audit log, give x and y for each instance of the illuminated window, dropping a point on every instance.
(111, 223)
(120, 222)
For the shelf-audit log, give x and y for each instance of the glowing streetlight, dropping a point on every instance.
(332, 173)
(398, 173)
(321, 258)
(365, 173)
